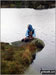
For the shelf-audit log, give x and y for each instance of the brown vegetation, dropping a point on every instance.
(15, 60)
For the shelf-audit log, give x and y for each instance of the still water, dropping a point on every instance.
(13, 27)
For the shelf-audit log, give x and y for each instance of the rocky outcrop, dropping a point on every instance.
(37, 42)
(19, 55)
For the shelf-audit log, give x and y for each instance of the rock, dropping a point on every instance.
(39, 44)
(32, 47)
(17, 57)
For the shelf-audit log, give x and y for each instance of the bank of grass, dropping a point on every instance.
(16, 59)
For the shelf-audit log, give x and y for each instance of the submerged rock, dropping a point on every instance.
(17, 57)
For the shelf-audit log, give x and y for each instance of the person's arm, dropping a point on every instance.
(34, 35)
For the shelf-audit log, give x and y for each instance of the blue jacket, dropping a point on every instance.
(34, 35)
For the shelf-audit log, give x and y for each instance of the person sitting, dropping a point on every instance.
(30, 34)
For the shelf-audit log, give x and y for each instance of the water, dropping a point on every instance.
(13, 27)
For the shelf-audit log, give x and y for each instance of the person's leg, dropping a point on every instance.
(22, 40)
(27, 39)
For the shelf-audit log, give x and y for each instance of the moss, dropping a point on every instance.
(27, 57)
(16, 58)
(11, 67)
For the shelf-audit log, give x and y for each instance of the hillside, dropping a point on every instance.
(43, 4)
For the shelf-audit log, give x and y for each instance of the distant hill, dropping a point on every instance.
(28, 4)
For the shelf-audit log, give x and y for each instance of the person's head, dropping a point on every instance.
(31, 30)
(30, 27)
